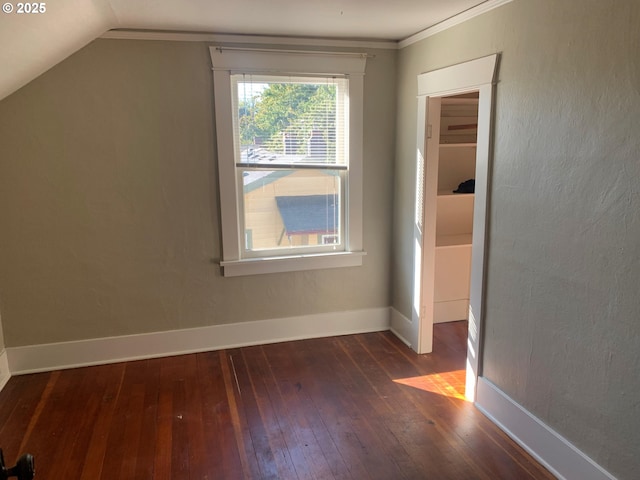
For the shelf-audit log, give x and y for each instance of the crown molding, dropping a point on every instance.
(132, 34)
(453, 21)
(246, 39)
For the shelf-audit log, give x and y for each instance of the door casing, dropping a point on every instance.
(475, 75)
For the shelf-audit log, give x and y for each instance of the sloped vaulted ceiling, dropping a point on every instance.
(30, 44)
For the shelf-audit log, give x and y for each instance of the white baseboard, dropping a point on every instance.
(400, 326)
(55, 356)
(5, 373)
(552, 450)
(451, 311)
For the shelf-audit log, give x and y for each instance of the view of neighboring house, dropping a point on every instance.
(284, 208)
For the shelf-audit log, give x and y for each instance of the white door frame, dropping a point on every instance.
(476, 75)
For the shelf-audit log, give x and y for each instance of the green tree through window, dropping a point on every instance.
(287, 118)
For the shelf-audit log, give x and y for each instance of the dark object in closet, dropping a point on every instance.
(24, 469)
(468, 186)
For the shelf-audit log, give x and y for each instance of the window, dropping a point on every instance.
(290, 152)
(289, 131)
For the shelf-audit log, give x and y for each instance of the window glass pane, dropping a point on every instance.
(290, 119)
(290, 208)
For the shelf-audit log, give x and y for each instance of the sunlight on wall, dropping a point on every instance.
(472, 361)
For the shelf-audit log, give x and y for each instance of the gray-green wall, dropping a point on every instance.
(109, 202)
(109, 217)
(562, 322)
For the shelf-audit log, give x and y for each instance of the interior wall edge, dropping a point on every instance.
(400, 326)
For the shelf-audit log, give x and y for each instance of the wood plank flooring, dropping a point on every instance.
(351, 407)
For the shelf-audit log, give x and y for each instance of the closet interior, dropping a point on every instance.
(454, 210)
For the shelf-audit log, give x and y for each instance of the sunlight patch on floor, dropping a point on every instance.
(449, 384)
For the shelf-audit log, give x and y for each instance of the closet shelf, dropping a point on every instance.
(449, 193)
(458, 145)
(461, 240)
(459, 101)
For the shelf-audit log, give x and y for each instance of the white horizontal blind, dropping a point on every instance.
(262, 184)
(285, 121)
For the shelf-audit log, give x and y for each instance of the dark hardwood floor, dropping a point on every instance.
(351, 407)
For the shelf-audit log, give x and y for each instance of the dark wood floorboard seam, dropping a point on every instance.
(352, 407)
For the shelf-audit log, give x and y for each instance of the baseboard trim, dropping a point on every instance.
(552, 450)
(400, 326)
(57, 356)
(5, 373)
(451, 311)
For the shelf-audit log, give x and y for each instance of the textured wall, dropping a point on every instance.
(562, 335)
(109, 203)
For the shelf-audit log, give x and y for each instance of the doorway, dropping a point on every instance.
(452, 123)
(470, 79)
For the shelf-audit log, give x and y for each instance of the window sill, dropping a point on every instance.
(294, 263)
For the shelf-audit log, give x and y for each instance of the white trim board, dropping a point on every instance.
(55, 356)
(132, 34)
(229, 61)
(473, 12)
(480, 75)
(459, 78)
(552, 450)
(246, 39)
(5, 374)
(400, 326)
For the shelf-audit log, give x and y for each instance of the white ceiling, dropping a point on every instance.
(31, 44)
(370, 19)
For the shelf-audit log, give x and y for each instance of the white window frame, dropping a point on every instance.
(229, 60)
(340, 166)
